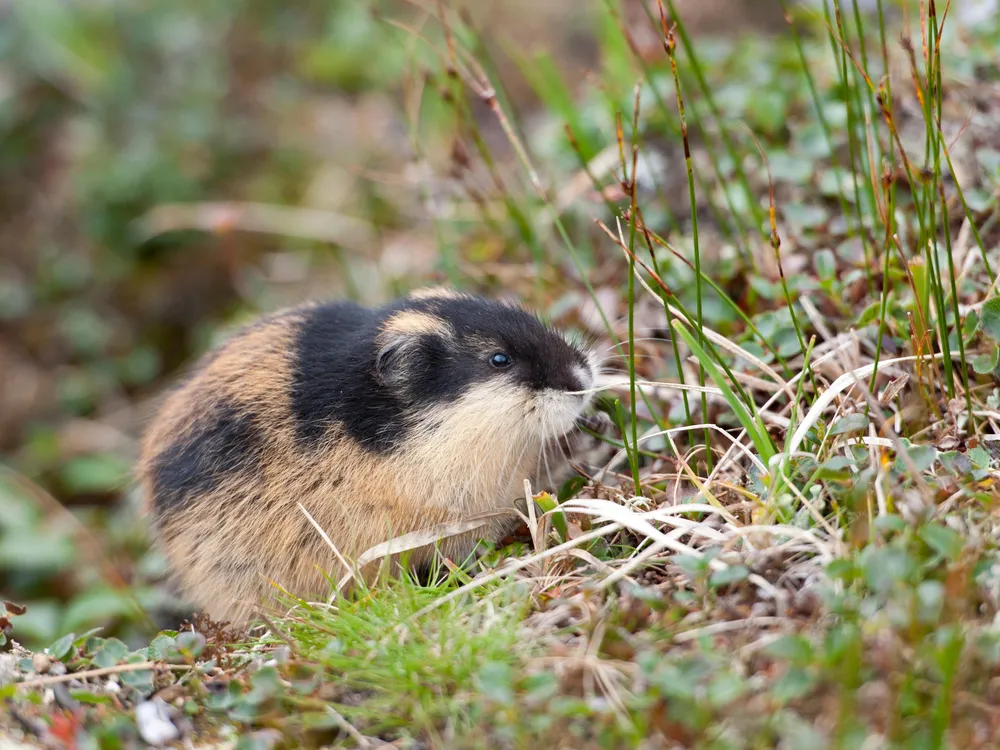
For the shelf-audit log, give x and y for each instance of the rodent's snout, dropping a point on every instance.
(575, 380)
(587, 373)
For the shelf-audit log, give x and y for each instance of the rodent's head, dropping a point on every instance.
(489, 363)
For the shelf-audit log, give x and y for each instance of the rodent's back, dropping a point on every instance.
(212, 425)
(376, 421)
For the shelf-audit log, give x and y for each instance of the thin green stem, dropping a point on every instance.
(671, 46)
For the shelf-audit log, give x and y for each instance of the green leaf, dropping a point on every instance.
(728, 575)
(969, 326)
(793, 684)
(980, 457)
(858, 454)
(768, 109)
(91, 699)
(923, 456)
(930, 598)
(696, 567)
(835, 468)
(61, 648)
(674, 681)
(794, 648)
(725, 689)
(91, 645)
(225, 699)
(191, 644)
(957, 462)
(825, 263)
(890, 523)
(979, 200)
(986, 362)
(110, 653)
(161, 647)
(869, 314)
(754, 481)
(850, 423)
(989, 318)
(265, 684)
(570, 488)
(547, 503)
(495, 680)
(945, 541)
(788, 168)
(141, 679)
(884, 567)
(81, 640)
(804, 216)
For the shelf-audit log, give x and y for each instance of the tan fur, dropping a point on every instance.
(411, 323)
(486, 444)
(435, 292)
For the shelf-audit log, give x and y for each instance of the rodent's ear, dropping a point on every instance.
(391, 354)
(398, 346)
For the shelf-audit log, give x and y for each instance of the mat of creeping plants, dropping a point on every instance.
(779, 221)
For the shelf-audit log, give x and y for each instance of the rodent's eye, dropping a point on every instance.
(501, 360)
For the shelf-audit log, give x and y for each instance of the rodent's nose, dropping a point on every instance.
(575, 379)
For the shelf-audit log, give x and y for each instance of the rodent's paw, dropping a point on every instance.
(598, 422)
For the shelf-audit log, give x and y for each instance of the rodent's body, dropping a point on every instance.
(379, 422)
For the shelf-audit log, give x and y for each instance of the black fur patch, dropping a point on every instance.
(222, 442)
(336, 382)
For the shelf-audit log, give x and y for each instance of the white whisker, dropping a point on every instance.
(545, 456)
(649, 383)
(644, 338)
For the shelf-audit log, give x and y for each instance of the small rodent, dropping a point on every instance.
(380, 422)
